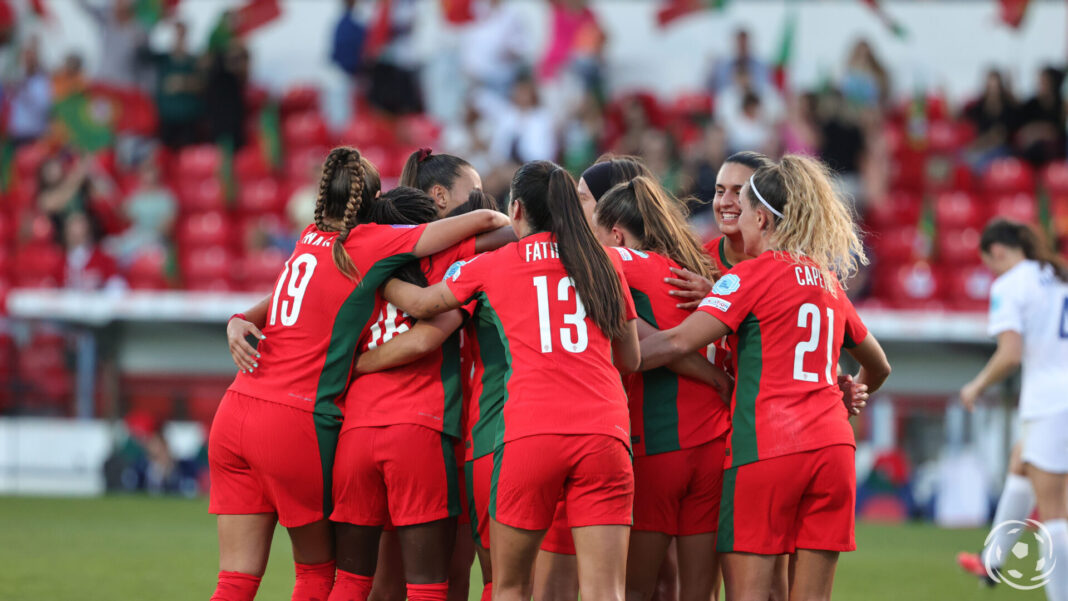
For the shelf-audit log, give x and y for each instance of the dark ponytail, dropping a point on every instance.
(649, 212)
(424, 170)
(405, 206)
(550, 201)
(341, 196)
(1023, 237)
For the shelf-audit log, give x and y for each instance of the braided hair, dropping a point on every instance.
(342, 192)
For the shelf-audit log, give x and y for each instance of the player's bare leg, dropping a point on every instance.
(357, 548)
(513, 552)
(644, 559)
(780, 585)
(812, 574)
(667, 581)
(555, 577)
(698, 567)
(389, 573)
(747, 576)
(245, 542)
(602, 561)
(427, 556)
(313, 554)
(463, 556)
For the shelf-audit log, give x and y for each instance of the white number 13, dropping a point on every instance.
(295, 282)
(576, 319)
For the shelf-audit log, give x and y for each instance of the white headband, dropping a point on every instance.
(752, 186)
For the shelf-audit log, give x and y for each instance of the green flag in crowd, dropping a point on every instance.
(786, 50)
(87, 119)
(271, 135)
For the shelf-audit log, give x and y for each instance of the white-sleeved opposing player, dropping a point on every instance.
(1029, 317)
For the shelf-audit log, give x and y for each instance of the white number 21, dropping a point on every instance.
(294, 282)
(576, 319)
(811, 313)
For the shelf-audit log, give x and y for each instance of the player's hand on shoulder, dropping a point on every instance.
(691, 288)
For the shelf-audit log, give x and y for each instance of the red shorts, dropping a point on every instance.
(404, 474)
(479, 474)
(461, 477)
(799, 501)
(266, 457)
(677, 492)
(558, 538)
(592, 472)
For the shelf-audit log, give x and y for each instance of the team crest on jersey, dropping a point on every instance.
(727, 284)
(640, 253)
(716, 303)
(401, 226)
(453, 271)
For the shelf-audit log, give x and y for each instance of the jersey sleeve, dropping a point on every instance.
(465, 279)
(629, 311)
(1007, 302)
(439, 263)
(855, 330)
(733, 296)
(388, 240)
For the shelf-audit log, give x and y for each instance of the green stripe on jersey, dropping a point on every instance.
(349, 322)
(848, 342)
(723, 253)
(725, 535)
(488, 432)
(450, 384)
(660, 394)
(743, 446)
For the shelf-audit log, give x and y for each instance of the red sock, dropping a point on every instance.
(438, 591)
(351, 587)
(487, 592)
(235, 586)
(314, 581)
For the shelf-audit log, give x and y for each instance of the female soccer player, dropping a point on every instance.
(1029, 317)
(678, 424)
(288, 397)
(449, 181)
(564, 428)
(788, 318)
(396, 461)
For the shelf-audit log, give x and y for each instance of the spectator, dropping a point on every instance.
(88, 267)
(225, 93)
(750, 129)
(395, 86)
(494, 46)
(69, 78)
(800, 131)
(660, 154)
(178, 89)
(122, 37)
(993, 115)
(576, 40)
(583, 132)
(150, 210)
(30, 98)
(470, 137)
(730, 100)
(724, 72)
(866, 82)
(1041, 135)
(60, 191)
(841, 140)
(703, 165)
(350, 33)
(525, 130)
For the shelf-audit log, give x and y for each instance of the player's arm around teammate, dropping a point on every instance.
(788, 318)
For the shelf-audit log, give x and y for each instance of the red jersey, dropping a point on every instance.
(717, 251)
(317, 316)
(425, 392)
(668, 412)
(485, 368)
(559, 377)
(788, 331)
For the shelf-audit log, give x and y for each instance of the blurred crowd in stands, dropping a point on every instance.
(170, 168)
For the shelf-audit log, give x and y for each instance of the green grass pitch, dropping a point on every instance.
(134, 547)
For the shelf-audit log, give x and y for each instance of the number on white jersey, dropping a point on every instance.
(293, 283)
(576, 343)
(811, 313)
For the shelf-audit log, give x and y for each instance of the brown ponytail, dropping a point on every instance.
(549, 198)
(1023, 237)
(645, 209)
(341, 194)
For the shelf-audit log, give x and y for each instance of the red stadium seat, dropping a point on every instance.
(208, 268)
(954, 210)
(1055, 178)
(39, 265)
(420, 130)
(942, 137)
(1008, 175)
(899, 208)
(260, 196)
(7, 231)
(898, 244)
(159, 405)
(250, 163)
(204, 229)
(28, 159)
(915, 285)
(148, 271)
(958, 246)
(366, 131)
(693, 105)
(968, 288)
(199, 195)
(1020, 206)
(908, 172)
(301, 165)
(261, 269)
(199, 162)
(304, 129)
(300, 98)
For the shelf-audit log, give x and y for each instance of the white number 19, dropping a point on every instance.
(295, 282)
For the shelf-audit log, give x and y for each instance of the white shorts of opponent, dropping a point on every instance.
(1045, 442)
